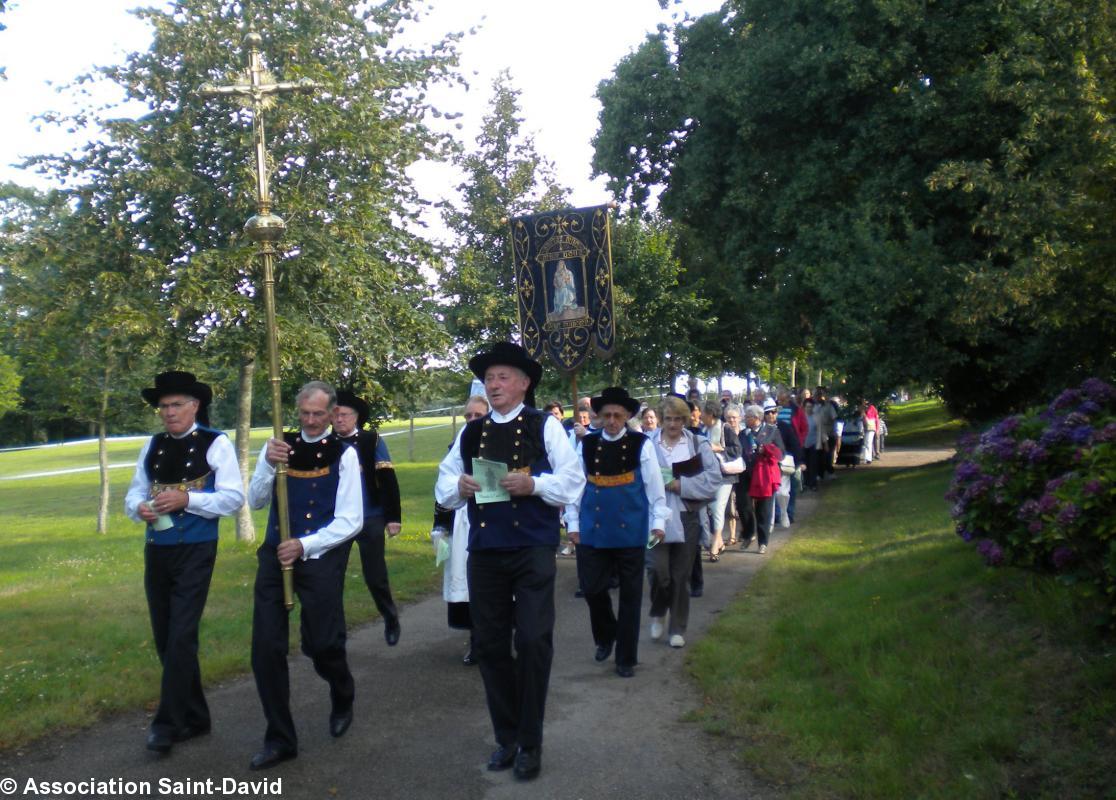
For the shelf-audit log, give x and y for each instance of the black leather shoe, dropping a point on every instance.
(190, 732)
(159, 742)
(625, 672)
(528, 762)
(697, 592)
(391, 634)
(502, 758)
(469, 660)
(603, 652)
(270, 756)
(339, 722)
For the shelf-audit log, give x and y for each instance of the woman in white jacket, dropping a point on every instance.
(692, 476)
(455, 583)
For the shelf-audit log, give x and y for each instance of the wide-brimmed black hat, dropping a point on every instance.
(615, 396)
(350, 400)
(175, 382)
(512, 355)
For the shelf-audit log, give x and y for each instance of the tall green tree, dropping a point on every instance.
(83, 303)
(504, 177)
(352, 301)
(915, 190)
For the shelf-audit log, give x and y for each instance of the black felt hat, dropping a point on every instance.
(350, 400)
(512, 355)
(616, 396)
(177, 382)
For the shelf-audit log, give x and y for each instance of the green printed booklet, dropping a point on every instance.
(489, 474)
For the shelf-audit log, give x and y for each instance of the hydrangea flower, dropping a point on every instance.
(1070, 397)
(1069, 514)
(1063, 557)
(1092, 488)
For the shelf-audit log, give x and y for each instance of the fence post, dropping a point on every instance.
(411, 440)
(453, 425)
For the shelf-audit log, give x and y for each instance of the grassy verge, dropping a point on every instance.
(922, 423)
(76, 639)
(876, 657)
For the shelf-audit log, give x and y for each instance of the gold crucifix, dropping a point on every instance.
(264, 228)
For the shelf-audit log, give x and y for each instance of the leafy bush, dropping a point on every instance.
(1038, 490)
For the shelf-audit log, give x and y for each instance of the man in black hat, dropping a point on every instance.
(186, 478)
(512, 546)
(381, 503)
(622, 504)
(325, 507)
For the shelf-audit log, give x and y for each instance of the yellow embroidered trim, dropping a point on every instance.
(185, 486)
(308, 473)
(612, 480)
(384, 465)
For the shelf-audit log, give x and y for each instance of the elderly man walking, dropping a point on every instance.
(622, 505)
(513, 537)
(326, 511)
(186, 478)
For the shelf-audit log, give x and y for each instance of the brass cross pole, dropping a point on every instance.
(266, 229)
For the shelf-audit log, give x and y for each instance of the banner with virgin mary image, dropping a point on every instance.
(563, 277)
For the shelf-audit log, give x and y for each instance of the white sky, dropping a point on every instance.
(557, 53)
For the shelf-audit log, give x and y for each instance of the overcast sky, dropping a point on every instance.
(556, 52)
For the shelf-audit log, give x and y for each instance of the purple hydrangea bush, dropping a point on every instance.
(1038, 490)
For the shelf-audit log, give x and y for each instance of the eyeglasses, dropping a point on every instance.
(177, 404)
(674, 419)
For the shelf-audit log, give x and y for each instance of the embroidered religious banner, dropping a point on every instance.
(563, 276)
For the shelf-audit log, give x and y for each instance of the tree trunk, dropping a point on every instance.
(794, 373)
(102, 455)
(245, 528)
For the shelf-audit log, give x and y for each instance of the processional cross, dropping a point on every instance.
(257, 88)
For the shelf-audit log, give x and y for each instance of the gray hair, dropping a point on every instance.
(752, 410)
(311, 387)
(478, 398)
(712, 408)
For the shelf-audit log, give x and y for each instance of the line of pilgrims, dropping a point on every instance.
(512, 476)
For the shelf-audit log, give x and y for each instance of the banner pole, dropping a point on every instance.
(573, 391)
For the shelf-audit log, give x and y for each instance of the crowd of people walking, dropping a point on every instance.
(644, 491)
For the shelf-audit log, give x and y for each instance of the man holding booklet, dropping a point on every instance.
(621, 512)
(514, 469)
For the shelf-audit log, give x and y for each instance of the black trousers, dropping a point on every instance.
(371, 540)
(514, 590)
(755, 516)
(599, 564)
(176, 579)
(318, 583)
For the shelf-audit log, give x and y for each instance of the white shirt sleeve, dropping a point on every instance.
(140, 486)
(348, 510)
(228, 489)
(653, 487)
(451, 468)
(263, 478)
(564, 484)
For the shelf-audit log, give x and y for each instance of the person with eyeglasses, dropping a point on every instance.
(382, 512)
(454, 525)
(186, 479)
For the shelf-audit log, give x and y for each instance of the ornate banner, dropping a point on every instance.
(563, 274)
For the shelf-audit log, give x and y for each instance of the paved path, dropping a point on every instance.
(421, 728)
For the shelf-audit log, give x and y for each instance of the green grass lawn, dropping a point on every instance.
(922, 423)
(76, 638)
(877, 657)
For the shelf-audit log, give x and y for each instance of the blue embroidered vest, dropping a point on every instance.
(181, 464)
(522, 521)
(614, 511)
(313, 474)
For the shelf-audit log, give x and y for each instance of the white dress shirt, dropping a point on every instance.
(348, 509)
(228, 489)
(557, 488)
(652, 477)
